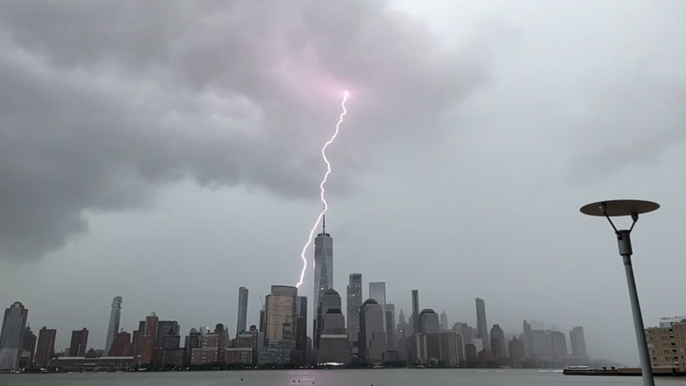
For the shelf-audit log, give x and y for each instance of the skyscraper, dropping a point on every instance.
(79, 343)
(559, 342)
(528, 340)
(329, 300)
(415, 311)
(167, 329)
(333, 341)
(12, 336)
(323, 264)
(481, 324)
(390, 327)
(29, 347)
(281, 317)
(113, 327)
(428, 322)
(372, 343)
(444, 321)
(377, 291)
(301, 343)
(147, 340)
(121, 347)
(498, 343)
(46, 347)
(578, 341)
(242, 310)
(354, 304)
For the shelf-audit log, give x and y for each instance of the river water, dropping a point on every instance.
(380, 377)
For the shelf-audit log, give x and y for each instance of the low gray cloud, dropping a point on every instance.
(103, 102)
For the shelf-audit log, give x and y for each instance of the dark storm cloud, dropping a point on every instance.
(102, 101)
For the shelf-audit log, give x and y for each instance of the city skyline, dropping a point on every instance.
(281, 333)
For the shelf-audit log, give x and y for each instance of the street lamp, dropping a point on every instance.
(633, 208)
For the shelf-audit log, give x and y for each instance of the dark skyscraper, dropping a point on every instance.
(578, 341)
(559, 342)
(242, 310)
(166, 328)
(498, 343)
(121, 347)
(528, 340)
(113, 327)
(429, 322)
(46, 347)
(147, 340)
(301, 329)
(481, 324)
(372, 343)
(323, 265)
(354, 302)
(79, 343)
(29, 346)
(415, 311)
(329, 300)
(12, 335)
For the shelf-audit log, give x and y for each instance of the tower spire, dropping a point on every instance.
(324, 225)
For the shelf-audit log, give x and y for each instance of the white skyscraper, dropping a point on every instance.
(113, 328)
(323, 265)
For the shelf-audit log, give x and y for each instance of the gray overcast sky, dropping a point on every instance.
(168, 152)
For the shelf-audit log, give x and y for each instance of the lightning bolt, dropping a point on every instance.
(321, 188)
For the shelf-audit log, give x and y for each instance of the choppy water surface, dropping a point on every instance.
(395, 377)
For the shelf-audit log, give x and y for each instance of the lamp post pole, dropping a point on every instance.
(631, 208)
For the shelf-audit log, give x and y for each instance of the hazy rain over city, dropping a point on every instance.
(168, 152)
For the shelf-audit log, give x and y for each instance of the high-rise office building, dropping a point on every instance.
(121, 347)
(517, 350)
(450, 348)
(415, 311)
(12, 335)
(465, 331)
(281, 326)
(166, 328)
(330, 299)
(147, 340)
(377, 291)
(390, 328)
(242, 321)
(528, 340)
(301, 342)
(444, 322)
(29, 348)
(372, 343)
(402, 330)
(113, 326)
(481, 324)
(46, 347)
(543, 345)
(333, 341)
(354, 303)
(79, 343)
(578, 341)
(498, 343)
(323, 265)
(281, 316)
(428, 322)
(559, 342)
